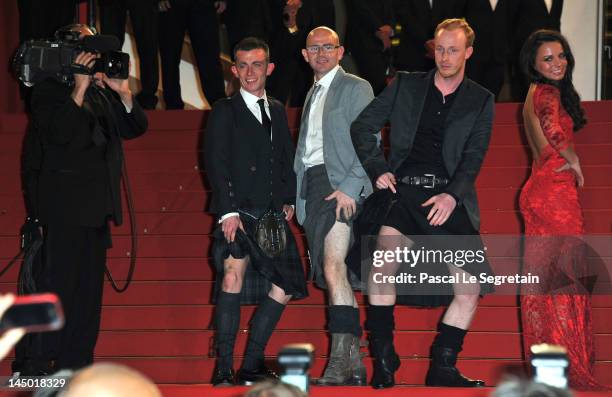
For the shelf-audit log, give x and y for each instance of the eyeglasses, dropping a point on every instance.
(314, 49)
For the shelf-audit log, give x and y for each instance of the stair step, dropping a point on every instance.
(412, 371)
(187, 160)
(173, 201)
(201, 343)
(198, 245)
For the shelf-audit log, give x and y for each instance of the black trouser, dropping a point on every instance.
(199, 18)
(73, 268)
(489, 74)
(143, 14)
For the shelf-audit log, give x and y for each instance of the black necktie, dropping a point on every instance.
(265, 120)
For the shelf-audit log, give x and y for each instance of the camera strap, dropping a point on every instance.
(114, 128)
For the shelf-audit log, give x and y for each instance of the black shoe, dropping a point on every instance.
(223, 377)
(249, 377)
(442, 370)
(386, 362)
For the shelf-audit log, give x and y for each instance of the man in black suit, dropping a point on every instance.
(249, 163)
(80, 128)
(531, 15)
(418, 19)
(368, 39)
(440, 130)
(200, 18)
(491, 22)
(144, 17)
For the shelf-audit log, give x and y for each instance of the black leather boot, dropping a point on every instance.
(442, 370)
(386, 362)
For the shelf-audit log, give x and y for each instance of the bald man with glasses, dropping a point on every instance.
(331, 184)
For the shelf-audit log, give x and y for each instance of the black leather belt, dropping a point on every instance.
(427, 181)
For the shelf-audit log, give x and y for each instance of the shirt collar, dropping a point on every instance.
(326, 80)
(250, 99)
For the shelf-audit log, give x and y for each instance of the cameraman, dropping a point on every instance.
(79, 128)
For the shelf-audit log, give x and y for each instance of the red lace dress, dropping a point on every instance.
(551, 209)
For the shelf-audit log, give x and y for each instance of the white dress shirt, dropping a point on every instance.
(313, 153)
(253, 106)
(548, 5)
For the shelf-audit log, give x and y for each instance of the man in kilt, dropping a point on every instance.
(440, 131)
(248, 155)
(331, 185)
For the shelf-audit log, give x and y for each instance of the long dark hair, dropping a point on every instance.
(569, 97)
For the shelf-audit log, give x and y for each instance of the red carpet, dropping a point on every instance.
(161, 325)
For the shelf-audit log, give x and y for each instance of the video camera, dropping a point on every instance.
(37, 60)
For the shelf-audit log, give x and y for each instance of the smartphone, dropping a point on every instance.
(35, 313)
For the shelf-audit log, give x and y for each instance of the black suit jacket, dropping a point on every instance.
(244, 167)
(466, 140)
(532, 15)
(492, 28)
(81, 161)
(419, 22)
(364, 17)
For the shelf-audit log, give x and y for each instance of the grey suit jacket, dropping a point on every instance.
(347, 96)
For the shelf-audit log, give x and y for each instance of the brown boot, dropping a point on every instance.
(338, 371)
(358, 370)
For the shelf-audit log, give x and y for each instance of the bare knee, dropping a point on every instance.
(232, 282)
(278, 294)
(467, 303)
(334, 271)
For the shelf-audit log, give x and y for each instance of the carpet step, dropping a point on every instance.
(196, 201)
(300, 317)
(512, 177)
(412, 371)
(187, 160)
(201, 343)
(201, 270)
(159, 139)
(198, 245)
(409, 344)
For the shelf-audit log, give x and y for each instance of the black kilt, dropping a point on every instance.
(405, 213)
(286, 271)
(320, 218)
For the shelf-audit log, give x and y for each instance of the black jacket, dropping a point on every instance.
(532, 15)
(244, 167)
(467, 132)
(492, 28)
(364, 17)
(80, 168)
(418, 22)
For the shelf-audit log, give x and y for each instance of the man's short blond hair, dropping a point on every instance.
(457, 23)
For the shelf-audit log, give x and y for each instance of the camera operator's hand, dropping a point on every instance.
(82, 81)
(121, 87)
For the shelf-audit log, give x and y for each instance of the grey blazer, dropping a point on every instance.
(347, 96)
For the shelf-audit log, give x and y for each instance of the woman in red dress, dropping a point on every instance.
(557, 311)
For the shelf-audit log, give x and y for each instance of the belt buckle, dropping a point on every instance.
(433, 181)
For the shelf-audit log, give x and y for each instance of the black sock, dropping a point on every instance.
(227, 321)
(262, 325)
(343, 319)
(380, 321)
(357, 330)
(450, 337)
